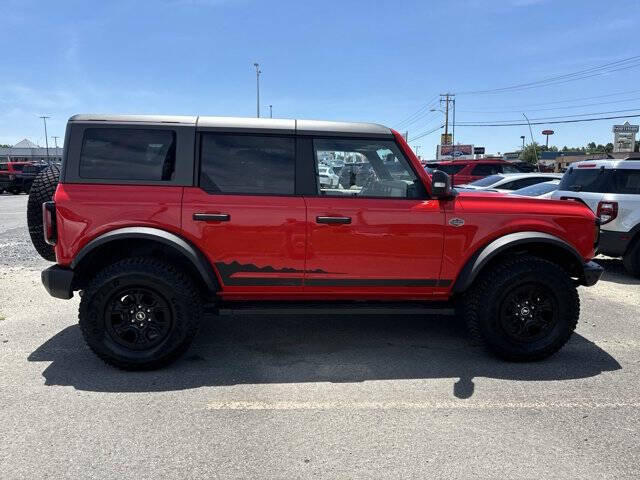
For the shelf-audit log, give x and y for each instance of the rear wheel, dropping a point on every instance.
(523, 309)
(632, 259)
(140, 314)
(42, 190)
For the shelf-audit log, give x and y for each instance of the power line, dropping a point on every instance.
(420, 110)
(527, 107)
(550, 123)
(553, 118)
(558, 79)
(426, 133)
(553, 108)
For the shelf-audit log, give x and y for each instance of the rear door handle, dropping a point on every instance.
(211, 217)
(342, 220)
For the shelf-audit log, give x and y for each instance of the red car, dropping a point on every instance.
(156, 217)
(11, 177)
(467, 171)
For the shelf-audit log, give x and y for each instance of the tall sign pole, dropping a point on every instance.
(46, 137)
(258, 72)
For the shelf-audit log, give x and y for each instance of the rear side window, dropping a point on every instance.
(486, 169)
(3, 166)
(17, 167)
(449, 169)
(627, 182)
(128, 154)
(247, 164)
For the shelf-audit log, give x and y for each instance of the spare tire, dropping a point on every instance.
(42, 190)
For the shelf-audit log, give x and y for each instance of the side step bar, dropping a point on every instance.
(332, 308)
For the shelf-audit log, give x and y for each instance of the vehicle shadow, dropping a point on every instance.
(615, 272)
(317, 348)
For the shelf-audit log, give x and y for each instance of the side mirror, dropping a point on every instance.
(441, 185)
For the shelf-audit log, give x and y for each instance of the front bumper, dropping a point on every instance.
(591, 273)
(58, 281)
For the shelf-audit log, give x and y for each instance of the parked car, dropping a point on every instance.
(12, 178)
(611, 188)
(540, 190)
(327, 176)
(467, 171)
(511, 181)
(151, 229)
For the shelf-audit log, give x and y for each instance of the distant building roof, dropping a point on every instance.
(25, 144)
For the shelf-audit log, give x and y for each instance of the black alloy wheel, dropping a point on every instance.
(138, 318)
(528, 312)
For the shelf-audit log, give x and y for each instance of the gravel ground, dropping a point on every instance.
(309, 397)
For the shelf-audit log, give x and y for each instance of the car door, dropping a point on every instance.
(378, 233)
(244, 213)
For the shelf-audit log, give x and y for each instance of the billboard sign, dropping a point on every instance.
(455, 151)
(446, 139)
(478, 150)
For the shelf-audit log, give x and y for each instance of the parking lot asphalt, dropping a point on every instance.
(314, 396)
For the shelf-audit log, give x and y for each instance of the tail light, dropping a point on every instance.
(49, 222)
(607, 211)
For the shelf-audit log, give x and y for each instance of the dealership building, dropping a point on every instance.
(27, 151)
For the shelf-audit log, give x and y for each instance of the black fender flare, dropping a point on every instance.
(483, 256)
(185, 248)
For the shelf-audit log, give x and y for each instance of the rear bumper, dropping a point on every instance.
(58, 281)
(591, 273)
(612, 243)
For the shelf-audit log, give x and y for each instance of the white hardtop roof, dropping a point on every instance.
(608, 164)
(243, 123)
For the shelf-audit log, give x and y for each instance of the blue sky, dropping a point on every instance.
(337, 60)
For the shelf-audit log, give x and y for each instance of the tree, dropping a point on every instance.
(4, 145)
(529, 153)
(608, 147)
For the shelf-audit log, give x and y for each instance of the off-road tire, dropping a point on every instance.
(42, 190)
(483, 302)
(631, 260)
(171, 283)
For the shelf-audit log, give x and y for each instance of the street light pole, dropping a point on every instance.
(270, 111)
(522, 137)
(258, 72)
(535, 150)
(46, 138)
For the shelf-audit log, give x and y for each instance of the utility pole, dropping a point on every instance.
(258, 72)
(533, 144)
(406, 136)
(46, 138)
(55, 140)
(270, 111)
(417, 147)
(448, 99)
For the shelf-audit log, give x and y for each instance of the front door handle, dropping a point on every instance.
(211, 217)
(341, 220)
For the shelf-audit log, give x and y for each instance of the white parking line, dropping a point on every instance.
(415, 405)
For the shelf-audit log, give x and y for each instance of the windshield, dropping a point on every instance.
(487, 181)
(510, 169)
(538, 189)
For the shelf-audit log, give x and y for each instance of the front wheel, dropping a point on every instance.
(523, 309)
(140, 313)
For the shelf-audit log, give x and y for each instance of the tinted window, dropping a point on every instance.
(486, 169)
(449, 169)
(3, 166)
(17, 167)
(486, 181)
(128, 154)
(509, 169)
(247, 164)
(372, 168)
(524, 182)
(627, 182)
(539, 189)
(587, 180)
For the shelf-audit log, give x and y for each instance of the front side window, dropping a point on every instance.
(247, 164)
(368, 168)
(128, 154)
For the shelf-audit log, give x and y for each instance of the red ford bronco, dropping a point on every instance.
(152, 218)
